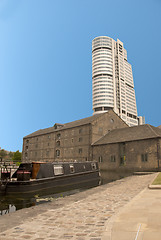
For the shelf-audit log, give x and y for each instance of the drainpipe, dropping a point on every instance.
(158, 150)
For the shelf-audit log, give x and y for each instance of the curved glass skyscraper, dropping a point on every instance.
(112, 80)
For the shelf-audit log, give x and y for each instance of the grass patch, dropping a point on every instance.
(157, 180)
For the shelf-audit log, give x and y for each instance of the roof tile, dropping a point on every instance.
(130, 134)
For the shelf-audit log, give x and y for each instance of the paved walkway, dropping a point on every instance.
(88, 215)
(140, 219)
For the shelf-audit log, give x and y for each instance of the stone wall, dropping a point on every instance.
(69, 144)
(73, 143)
(106, 123)
(39, 148)
(138, 156)
(63, 145)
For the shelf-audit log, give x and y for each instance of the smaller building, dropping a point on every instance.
(141, 120)
(129, 149)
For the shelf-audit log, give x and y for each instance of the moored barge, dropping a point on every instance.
(41, 178)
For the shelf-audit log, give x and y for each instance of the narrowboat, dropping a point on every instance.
(39, 178)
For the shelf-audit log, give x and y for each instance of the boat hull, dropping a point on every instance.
(53, 184)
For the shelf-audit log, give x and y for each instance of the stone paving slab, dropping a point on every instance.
(139, 219)
(83, 216)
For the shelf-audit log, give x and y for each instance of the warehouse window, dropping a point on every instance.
(58, 135)
(80, 150)
(144, 157)
(100, 159)
(80, 130)
(122, 148)
(57, 152)
(112, 158)
(100, 129)
(112, 121)
(122, 160)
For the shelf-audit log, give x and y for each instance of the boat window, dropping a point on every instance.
(93, 165)
(72, 168)
(58, 170)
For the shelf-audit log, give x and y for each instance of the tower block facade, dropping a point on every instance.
(112, 80)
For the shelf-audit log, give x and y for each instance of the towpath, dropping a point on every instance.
(83, 216)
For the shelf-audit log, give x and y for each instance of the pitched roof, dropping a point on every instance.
(76, 123)
(130, 134)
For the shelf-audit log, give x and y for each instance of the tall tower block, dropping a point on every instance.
(112, 80)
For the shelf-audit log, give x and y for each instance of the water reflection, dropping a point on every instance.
(11, 208)
(9, 204)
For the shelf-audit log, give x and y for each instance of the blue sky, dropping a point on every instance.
(46, 60)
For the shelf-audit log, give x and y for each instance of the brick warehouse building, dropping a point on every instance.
(70, 141)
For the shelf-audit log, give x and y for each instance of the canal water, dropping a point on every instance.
(9, 204)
